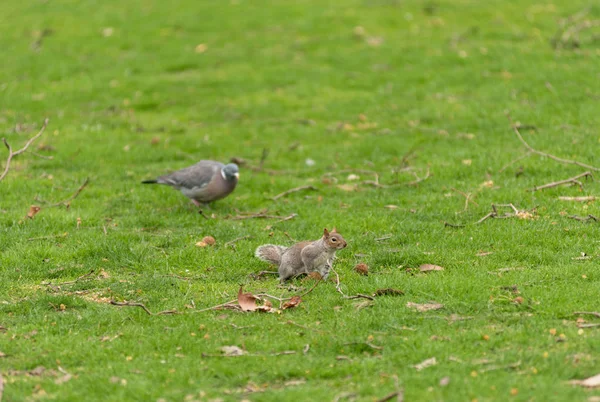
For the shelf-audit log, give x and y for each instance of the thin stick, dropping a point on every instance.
(232, 242)
(584, 218)
(588, 325)
(384, 237)
(48, 237)
(131, 304)
(527, 155)
(67, 202)
(287, 218)
(289, 322)
(578, 199)
(556, 158)
(467, 198)
(261, 215)
(57, 285)
(12, 154)
(229, 303)
(571, 180)
(293, 190)
(595, 314)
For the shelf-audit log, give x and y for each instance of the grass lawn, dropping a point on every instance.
(134, 89)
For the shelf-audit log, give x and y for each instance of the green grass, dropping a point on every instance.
(436, 81)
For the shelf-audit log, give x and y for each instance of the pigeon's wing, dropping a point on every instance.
(195, 176)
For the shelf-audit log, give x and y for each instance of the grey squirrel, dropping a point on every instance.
(304, 257)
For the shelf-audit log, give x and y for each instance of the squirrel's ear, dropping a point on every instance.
(325, 232)
(334, 230)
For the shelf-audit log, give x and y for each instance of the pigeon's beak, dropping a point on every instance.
(237, 175)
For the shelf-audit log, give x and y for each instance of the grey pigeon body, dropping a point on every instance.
(204, 182)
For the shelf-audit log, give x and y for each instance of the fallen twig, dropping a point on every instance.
(67, 202)
(523, 214)
(588, 325)
(132, 304)
(507, 366)
(595, 314)
(261, 215)
(384, 237)
(56, 286)
(48, 237)
(578, 199)
(571, 180)
(232, 242)
(339, 289)
(527, 155)
(467, 198)
(293, 190)
(229, 304)
(556, 158)
(12, 154)
(584, 218)
(289, 322)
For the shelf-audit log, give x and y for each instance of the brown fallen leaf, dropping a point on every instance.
(232, 351)
(209, 240)
(314, 275)
(430, 267)
(362, 268)
(388, 292)
(33, 211)
(424, 307)
(293, 302)
(444, 381)
(391, 206)
(247, 301)
(592, 382)
(426, 363)
(363, 304)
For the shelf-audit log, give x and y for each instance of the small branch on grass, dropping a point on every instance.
(232, 242)
(523, 214)
(132, 304)
(595, 314)
(584, 218)
(527, 155)
(339, 289)
(67, 202)
(588, 325)
(547, 155)
(12, 154)
(571, 180)
(57, 286)
(261, 215)
(376, 183)
(467, 198)
(293, 190)
(578, 199)
(48, 237)
(375, 347)
(384, 237)
(504, 367)
(262, 273)
(260, 168)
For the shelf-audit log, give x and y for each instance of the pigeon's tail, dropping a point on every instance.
(270, 253)
(150, 182)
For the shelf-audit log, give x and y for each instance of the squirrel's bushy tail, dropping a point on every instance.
(270, 253)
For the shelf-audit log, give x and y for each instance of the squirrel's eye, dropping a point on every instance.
(334, 239)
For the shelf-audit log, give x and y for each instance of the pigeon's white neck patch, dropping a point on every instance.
(223, 174)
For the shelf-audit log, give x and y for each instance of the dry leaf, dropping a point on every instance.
(209, 240)
(201, 244)
(430, 267)
(388, 292)
(426, 363)
(247, 301)
(391, 206)
(424, 307)
(362, 268)
(592, 382)
(484, 253)
(232, 351)
(33, 210)
(293, 302)
(347, 187)
(201, 48)
(353, 177)
(314, 275)
(363, 304)
(444, 381)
